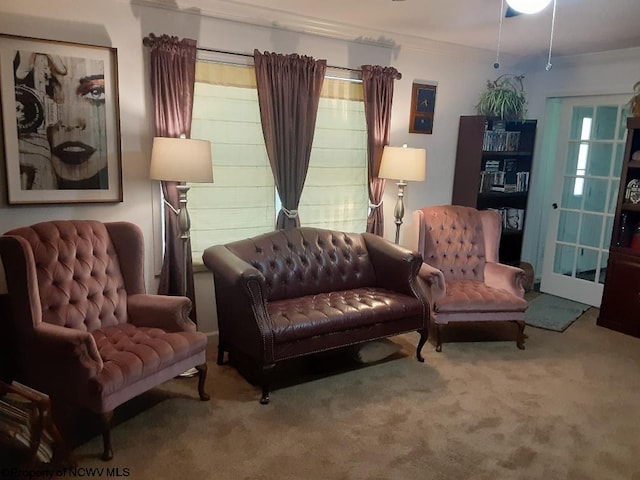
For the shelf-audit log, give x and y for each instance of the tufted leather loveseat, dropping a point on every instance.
(86, 333)
(303, 290)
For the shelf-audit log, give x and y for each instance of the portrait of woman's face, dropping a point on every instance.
(77, 136)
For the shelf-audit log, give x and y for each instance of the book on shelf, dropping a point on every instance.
(500, 141)
(506, 180)
(522, 181)
(489, 179)
(492, 166)
(512, 218)
(510, 168)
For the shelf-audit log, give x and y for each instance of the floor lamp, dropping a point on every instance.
(402, 164)
(182, 160)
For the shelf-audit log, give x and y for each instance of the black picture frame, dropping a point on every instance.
(60, 121)
(423, 102)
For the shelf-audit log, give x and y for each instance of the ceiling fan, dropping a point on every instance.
(511, 12)
(519, 7)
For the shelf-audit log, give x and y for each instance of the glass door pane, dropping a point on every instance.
(590, 149)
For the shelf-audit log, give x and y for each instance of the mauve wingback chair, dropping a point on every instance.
(87, 334)
(465, 281)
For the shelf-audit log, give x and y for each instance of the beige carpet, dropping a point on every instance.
(568, 407)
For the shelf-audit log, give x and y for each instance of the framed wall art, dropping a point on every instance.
(423, 103)
(60, 121)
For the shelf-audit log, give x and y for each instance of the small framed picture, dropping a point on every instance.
(60, 121)
(423, 103)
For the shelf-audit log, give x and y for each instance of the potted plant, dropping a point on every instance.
(504, 99)
(634, 102)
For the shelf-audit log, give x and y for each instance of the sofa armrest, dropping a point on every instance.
(69, 352)
(240, 293)
(396, 267)
(505, 277)
(170, 313)
(434, 279)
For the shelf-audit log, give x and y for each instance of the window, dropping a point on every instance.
(242, 201)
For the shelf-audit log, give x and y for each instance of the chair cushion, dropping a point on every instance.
(327, 313)
(130, 353)
(467, 296)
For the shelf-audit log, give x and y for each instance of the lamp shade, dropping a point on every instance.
(528, 6)
(402, 163)
(181, 160)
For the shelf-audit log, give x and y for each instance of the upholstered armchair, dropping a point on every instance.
(86, 332)
(463, 277)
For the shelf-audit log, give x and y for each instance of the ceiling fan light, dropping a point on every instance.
(528, 6)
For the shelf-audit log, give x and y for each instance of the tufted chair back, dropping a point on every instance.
(304, 261)
(457, 240)
(80, 282)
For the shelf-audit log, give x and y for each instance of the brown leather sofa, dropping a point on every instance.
(294, 292)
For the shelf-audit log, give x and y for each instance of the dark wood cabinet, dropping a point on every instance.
(621, 295)
(493, 166)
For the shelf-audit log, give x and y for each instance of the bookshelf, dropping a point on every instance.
(621, 294)
(492, 172)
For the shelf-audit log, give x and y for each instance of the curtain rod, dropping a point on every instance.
(250, 55)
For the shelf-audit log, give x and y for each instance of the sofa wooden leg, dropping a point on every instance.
(264, 400)
(424, 336)
(202, 377)
(521, 335)
(438, 337)
(267, 372)
(105, 421)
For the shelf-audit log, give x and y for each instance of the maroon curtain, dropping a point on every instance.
(377, 85)
(173, 71)
(288, 94)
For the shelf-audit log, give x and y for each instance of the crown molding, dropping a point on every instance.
(599, 58)
(272, 18)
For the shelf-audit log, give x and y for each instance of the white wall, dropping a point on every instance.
(460, 74)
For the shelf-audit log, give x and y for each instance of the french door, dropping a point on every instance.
(591, 141)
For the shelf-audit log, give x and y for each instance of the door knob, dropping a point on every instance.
(554, 205)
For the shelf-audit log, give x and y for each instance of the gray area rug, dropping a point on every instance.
(553, 313)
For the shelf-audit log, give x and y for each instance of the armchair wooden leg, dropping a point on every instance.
(424, 336)
(105, 420)
(438, 338)
(521, 335)
(202, 377)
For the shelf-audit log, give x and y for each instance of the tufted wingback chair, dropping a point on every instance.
(465, 281)
(86, 332)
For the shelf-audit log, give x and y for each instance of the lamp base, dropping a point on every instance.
(399, 210)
